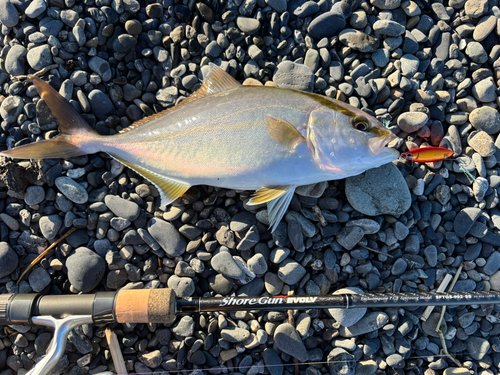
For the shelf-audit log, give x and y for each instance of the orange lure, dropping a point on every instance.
(427, 154)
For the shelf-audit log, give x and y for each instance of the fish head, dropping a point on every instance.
(347, 141)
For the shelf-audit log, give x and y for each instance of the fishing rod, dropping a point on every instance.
(65, 312)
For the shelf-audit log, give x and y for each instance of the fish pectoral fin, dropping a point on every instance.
(276, 208)
(169, 188)
(283, 132)
(267, 194)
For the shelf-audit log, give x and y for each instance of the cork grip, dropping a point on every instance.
(145, 306)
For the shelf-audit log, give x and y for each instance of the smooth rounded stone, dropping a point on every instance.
(235, 334)
(482, 143)
(484, 90)
(476, 8)
(242, 221)
(484, 27)
(399, 267)
(486, 119)
(369, 323)
(279, 254)
(278, 5)
(456, 371)
(72, 190)
(38, 279)
(476, 52)
(39, 57)
(395, 360)
(122, 208)
(379, 191)
(182, 286)
(34, 195)
(381, 57)
(50, 225)
(464, 220)
(221, 284)
(11, 108)
(386, 4)
(8, 259)
(226, 265)
(257, 264)
(494, 280)
(185, 326)
(287, 339)
(409, 66)
(273, 283)
(291, 272)
(133, 27)
(312, 190)
(124, 43)
(35, 8)
(358, 40)
(429, 325)
(492, 264)
(167, 236)
(349, 237)
(341, 362)
(290, 75)
(347, 317)
(101, 67)
(15, 60)
(248, 25)
(368, 226)
(272, 361)
(388, 28)
(326, 25)
(101, 105)
(85, 269)
(410, 122)
(358, 19)
(9, 16)
(431, 256)
(477, 347)
(12, 223)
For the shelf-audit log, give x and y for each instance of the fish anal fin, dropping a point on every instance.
(169, 188)
(266, 194)
(283, 132)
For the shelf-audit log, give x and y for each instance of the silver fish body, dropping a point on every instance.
(237, 137)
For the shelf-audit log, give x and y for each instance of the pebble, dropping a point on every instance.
(410, 122)
(369, 323)
(185, 327)
(11, 108)
(122, 207)
(486, 119)
(34, 195)
(72, 190)
(484, 90)
(290, 75)
(9, 16)
(50, 225)
(287, 339)
(39, 279)
(235, 334)
(478, 347)
(290, 272)
(36, 8)
(182, 286)
(101, 104)
(15, 62)
(464, 220)
(388, 28)
(8, 259)
(101, 67)
(358, 40)
(248, 25)
(226, 265)
(167, 236)
(85, 269)
(363, 192)
(39, 57)
(326, 25)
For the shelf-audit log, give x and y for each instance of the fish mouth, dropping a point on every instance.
(377, 144)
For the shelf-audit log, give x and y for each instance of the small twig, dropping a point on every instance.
(320, 216)
(440, 289)
(41, 72)
(38, 258)
(116, 354)
(438, 328)
(376, 251)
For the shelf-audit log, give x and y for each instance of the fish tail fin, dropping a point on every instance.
(77, 137)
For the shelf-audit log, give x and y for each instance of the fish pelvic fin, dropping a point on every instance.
(169, 188)
(277, 198)
(283, 132)
(76, 137)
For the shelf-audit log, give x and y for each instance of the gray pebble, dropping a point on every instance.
(347, 317)
(290, 272)
(484, 90)
(389, 28)
(85, 269)
(257, 264)
(11, 108)
(15, 61)
(39, 57)
(369, 323)
(235, 334)
(248, 25)
(167, 236)
(8, 259)
(122, 207)
(50, 225)
(101, 105)
(326, 25)
(183, 286)
(290, 75)
(72, 190)
(287, 339)
(9, 16)
(226, 265)
(410, 122)
(478, 347)
(486, 119)
(36, 8)
(185, 327)
(34, 195)
(101, 67)
(39, 278)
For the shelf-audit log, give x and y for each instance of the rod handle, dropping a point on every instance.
(145, 306)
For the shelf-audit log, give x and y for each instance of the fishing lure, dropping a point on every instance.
(427, 154)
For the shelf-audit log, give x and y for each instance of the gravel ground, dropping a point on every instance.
(430, 69)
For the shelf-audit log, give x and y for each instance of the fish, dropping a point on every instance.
(427, 154)
(232, 136)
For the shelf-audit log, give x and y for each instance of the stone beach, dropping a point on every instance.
(430, 70)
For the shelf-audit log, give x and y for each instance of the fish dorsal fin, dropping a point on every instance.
(283, 132)
(277, 198)
(169, 188)
(217, 81)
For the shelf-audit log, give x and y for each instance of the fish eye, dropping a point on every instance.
(360, 123)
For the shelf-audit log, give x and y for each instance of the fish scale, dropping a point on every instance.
(227, 135)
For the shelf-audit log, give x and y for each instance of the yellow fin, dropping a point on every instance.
(266, 194)
(283, 132)
(168, 188)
